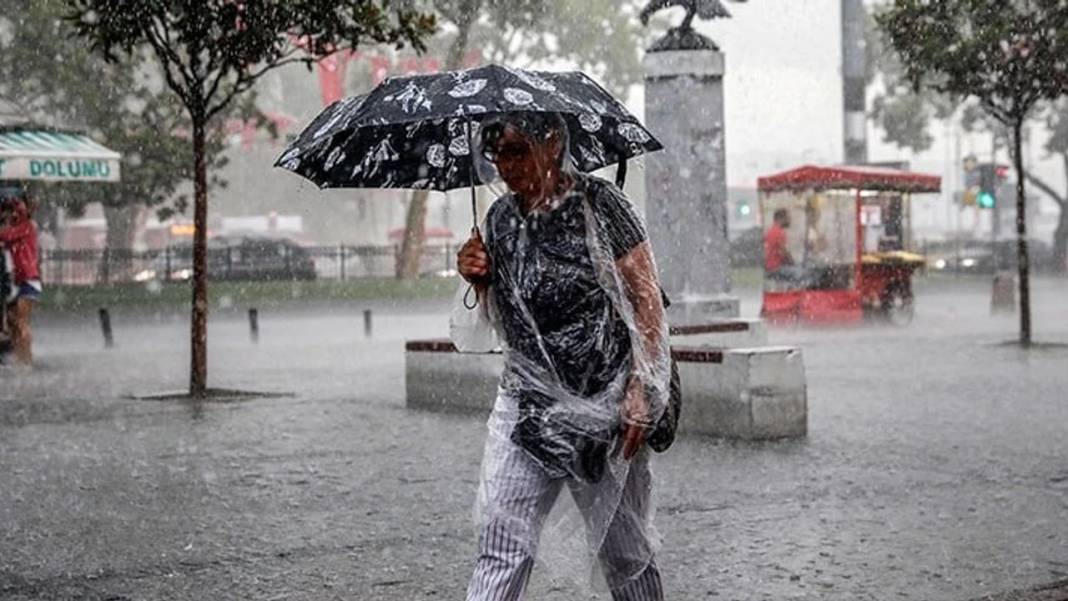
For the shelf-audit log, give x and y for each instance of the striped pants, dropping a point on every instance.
(520, 498)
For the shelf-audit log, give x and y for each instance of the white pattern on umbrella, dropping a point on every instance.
(468, 88)
(590, 122)
(599, 106)
(335, 156)
(594, 153)
(435, 155)
(351, 107)
(342, 109)
(582, 106)
(534, 81)
(290, 154)
(413, 128)
(329, 125)
(464, 110)
(458, 146)
(633, 133)
(412, 98)
(518, 97)
(381, 153)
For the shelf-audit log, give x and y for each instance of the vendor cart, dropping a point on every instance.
(838, 245)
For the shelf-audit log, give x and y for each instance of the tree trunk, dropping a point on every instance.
(122, 225)
(1022, 261)
(412, 247)
(198, 374)
(1060, 241)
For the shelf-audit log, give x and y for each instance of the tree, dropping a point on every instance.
(1057, 145)
(905, 115)
(1008, 55)
(903, 112)
(211, 52)
(602, 37)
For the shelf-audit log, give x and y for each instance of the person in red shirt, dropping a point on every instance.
(18, 235)
(776, 255)
(778, 262)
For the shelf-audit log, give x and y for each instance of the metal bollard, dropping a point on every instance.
(1003, 295)
(105, 327)
(367, 323)
(254, 325)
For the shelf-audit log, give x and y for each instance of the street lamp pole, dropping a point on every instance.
(855, 120)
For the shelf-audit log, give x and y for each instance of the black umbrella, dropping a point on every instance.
(416, 131)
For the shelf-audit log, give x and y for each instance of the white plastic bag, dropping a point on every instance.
(471, 330)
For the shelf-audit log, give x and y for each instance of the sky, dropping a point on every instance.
(782, 85)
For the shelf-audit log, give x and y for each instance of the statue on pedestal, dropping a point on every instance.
(684, 37)
(686, 205)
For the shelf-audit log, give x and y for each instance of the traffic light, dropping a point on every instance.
(988, 186)
(743, 208)
(971, 181)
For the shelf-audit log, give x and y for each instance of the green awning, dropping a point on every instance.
(32, 154)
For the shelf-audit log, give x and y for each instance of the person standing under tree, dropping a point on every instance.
(18, 234)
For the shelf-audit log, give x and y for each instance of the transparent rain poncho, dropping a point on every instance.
(574, 304)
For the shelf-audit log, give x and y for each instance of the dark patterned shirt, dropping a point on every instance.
(544, 282)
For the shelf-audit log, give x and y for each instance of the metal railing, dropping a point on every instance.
(89, 267)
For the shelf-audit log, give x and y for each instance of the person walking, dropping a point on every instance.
(565, 278)
(18, 234)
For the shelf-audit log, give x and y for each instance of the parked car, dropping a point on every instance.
(263, 259)
(967, 260)
(246, 258)
(978, 256)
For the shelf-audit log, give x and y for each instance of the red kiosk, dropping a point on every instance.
(837, 243)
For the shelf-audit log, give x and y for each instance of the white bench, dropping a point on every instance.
(438, 377)
(722, 333)
(744, 393)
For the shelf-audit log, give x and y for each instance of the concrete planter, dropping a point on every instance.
(740, 393)
(743, 393)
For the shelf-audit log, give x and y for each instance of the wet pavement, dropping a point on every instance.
(936, 466)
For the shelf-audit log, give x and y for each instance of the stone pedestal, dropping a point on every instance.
(686, 183)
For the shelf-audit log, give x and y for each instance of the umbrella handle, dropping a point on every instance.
(474, 234)
(471, 174)
(474, 207)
